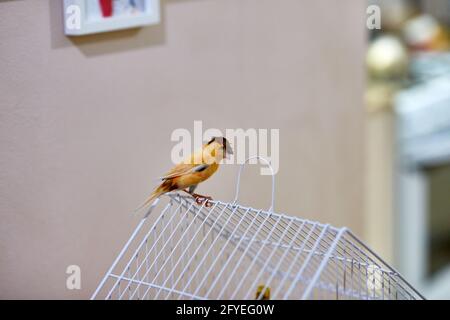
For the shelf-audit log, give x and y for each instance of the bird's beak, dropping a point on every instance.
(229, 150)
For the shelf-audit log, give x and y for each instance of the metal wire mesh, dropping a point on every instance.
(228, 251)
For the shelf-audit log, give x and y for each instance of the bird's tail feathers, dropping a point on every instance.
(163, 188)
(152, 197)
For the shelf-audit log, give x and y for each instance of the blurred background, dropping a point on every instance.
(407, 178)
(85, 126)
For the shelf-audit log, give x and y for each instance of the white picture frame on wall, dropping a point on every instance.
(83, 17)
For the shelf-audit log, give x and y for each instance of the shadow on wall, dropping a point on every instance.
(109, 42)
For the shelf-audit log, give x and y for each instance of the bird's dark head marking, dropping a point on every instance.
(224, 142)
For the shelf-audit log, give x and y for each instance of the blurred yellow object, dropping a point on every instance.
(424, 33)
(265, 296)
(387, 58)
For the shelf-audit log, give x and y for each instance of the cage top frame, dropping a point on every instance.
(292, 257)
(326, 248)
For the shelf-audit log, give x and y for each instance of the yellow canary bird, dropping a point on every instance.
(260, 295)
(195, 169)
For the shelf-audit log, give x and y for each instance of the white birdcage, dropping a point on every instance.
(220, 250)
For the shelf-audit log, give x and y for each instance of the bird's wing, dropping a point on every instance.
(183, 169)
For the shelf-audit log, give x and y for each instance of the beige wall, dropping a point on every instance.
(85, 123)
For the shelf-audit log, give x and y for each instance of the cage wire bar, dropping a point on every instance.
(229, 251)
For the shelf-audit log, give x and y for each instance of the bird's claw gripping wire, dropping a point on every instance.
(199, 199)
